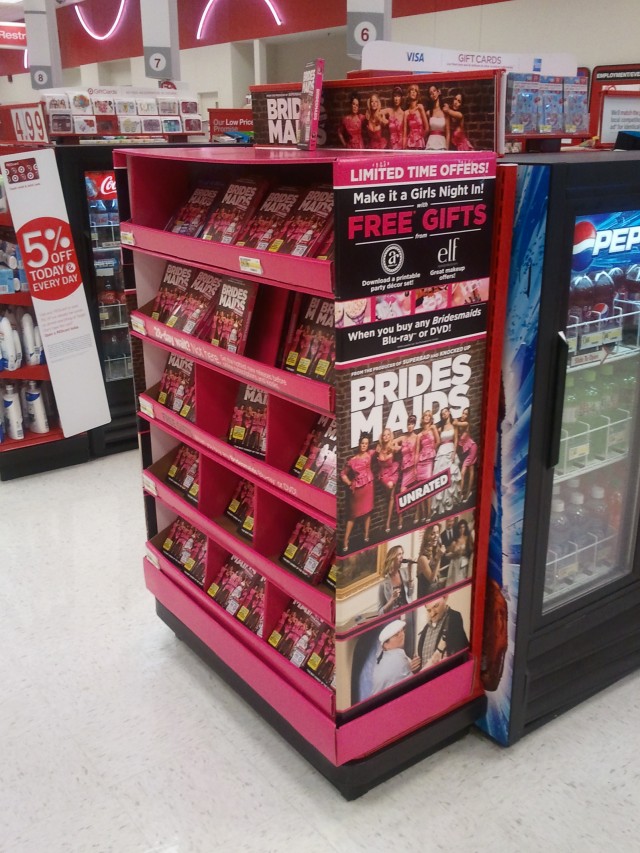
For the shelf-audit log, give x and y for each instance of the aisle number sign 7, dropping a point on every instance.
(29, 124)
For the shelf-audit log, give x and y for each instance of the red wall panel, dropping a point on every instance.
(228, 21)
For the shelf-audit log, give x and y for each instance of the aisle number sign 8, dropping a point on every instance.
(28, 124)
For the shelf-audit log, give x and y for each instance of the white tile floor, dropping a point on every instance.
(115, 737)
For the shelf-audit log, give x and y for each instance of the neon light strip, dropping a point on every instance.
(108, 34)
(26, 58)
(208, 7)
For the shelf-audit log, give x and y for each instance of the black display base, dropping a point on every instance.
(354, 779)
(49, 456)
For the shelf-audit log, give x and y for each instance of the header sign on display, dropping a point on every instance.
(390, 56)
(42, 227)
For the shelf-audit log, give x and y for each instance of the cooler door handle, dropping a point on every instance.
(557, 401)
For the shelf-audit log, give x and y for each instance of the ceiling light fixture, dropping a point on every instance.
(208, 7)
(110, 32)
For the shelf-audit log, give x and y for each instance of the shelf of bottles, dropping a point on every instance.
(104, 225)
(594, 507)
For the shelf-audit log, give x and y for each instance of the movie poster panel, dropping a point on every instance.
(435, 112)
(408, 434)
(419, 643)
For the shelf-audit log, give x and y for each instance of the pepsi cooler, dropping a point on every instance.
(563, 599)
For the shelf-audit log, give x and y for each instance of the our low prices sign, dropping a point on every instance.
(42, 227)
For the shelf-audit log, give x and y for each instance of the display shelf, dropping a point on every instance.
(366, 715)
(303, 683)
(31, 439)
(341, 743)
(22, 297)
(304, 497)
(317, 598)
(35, 372)
(317, 396)
(306, 274)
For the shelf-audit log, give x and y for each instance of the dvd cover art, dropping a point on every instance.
(310, 95)
(317, 460)
(177, 387)
(241, 504)
(251, 611)
(310, 350)
(297, 633)
(268, 223)
(232, 584)
(186, 546)
(326, 248)
(310, 549)
(173, 287)
(408, 453)
(389, 654)
(184, 472)
(191, 217)
(307, 224)
(235, 210)
(248, 428)
(232, 317)
(321, 663)
(199, 303)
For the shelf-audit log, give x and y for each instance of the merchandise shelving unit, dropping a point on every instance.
(35, 453)
(355, 751)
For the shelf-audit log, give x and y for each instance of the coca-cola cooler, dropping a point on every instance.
(563, 602)
(89, 185)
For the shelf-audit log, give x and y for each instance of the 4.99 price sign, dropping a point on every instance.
(50, 260)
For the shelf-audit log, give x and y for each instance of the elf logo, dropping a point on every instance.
(589, 243)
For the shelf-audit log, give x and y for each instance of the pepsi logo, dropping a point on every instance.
(584, 240)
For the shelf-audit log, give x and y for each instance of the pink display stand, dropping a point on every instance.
(356, 741)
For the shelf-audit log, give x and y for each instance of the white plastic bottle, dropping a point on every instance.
(35, 407)
(12, 412)
(7, 346)
(18, 348)
(38, 344)
(28, 340)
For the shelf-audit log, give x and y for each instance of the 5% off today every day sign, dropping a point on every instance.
(40, 219)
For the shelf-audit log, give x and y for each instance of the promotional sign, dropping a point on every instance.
(413, 254)
(13, 35)
(407, 222)
(606, 79)
(42, 227)
(435, 112)
(23, 123)
(220, 121)
(391, 56)
(620, 112)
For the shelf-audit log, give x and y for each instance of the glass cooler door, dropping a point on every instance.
(104, 223)
(594, 505)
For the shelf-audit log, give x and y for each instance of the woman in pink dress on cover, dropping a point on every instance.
(459, 141)
(388, 470)
(439, 131)
(376, 123)
(407, 445)
(395, 119)
(350, 131)
(469, 457)
(357, 475)
(428, 443)
(416, 124)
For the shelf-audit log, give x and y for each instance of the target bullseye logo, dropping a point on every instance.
(584, 240)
